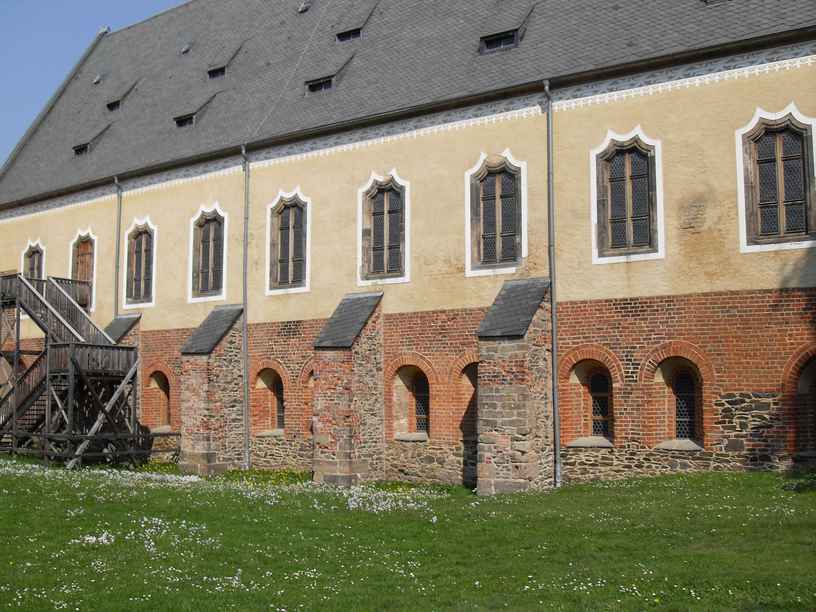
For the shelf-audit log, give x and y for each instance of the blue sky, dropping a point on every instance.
(41, 40)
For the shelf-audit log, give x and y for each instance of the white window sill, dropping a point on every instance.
(590, 442)
(411, 437)
(679, 445)
(272, 433)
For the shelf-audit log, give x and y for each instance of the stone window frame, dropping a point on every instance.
(140, 225)
(205, 212)
(485, 164)
(761, 121)
(31, 248)
(85, 235)
(284, 199)
(669, 369)
(654, 148)
(364, 196)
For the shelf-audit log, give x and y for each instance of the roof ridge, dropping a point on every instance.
(183, 4)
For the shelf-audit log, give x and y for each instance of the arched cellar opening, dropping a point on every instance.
(682, 388)
(589, 410)
(804, 423)
(158, 401)
(269, 405)
(412, 402)
(468, 391)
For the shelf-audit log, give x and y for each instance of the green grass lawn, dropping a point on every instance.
(105, 540)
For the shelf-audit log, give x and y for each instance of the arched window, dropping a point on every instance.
(384, 232)
(159, 399)
(208, 254)
(273, 406)
(412, 402)
(778, 182)
(33, 262)
(287, 248)
(600, 393)
(496, 215)
(140, 265)
(626, 199)
(805, 410)
(684, 388)
(83, 259)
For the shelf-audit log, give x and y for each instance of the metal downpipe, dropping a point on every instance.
(553, 285)
(245, 318)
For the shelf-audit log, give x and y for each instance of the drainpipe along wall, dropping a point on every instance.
(117, 247)
(553, 285)
(245, 318)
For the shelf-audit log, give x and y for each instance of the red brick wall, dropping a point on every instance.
(740, 342)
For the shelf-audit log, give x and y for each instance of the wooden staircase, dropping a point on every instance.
(76, 400)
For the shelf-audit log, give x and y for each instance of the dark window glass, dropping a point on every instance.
(495, 42)
(780, 192)
(500, 218)
(387, 220)
(209, 268)
(349, 35)
(140, 266)
(290, 251)
(280, 407)
(685, 398)
(422, 403)
(629, 203)
(599, 390)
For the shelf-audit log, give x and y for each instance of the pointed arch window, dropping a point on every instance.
(83, 259)
(627, 202)
(288, 248)
(141, 248)
(779, 182)
(33, 261)
(496, 215)
(384, 231)
(208, 254)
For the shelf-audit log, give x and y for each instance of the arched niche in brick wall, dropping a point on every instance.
(268, 402)
(588, 405)
(799, 401)
(159, 397)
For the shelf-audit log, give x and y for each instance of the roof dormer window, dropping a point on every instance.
(185, 120)
(348, 35)
(217, 73)
(82, 149)
(114, 105)
(497, 42)
(320, 85)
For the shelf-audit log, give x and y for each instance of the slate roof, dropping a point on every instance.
(513, 310)
(121, 326)
(207, 335)
(412, 53)
(348, 320)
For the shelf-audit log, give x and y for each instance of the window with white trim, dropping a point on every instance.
(208, 255)
(288, 244)
(140, 265)
(495, 215)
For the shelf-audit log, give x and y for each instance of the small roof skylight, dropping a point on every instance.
(497, 42)
(353, 34)
(82, 149)
(320, 85)
(217, 73)
(114, 105)
(187, 120)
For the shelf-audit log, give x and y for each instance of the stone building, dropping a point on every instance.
(325, 226)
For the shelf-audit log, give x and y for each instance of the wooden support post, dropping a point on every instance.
(13, 398)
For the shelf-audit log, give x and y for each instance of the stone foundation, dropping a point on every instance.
(432, 462)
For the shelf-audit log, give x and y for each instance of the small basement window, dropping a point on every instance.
(114, 106)
(217, 73)
(348, 35)
(496, 42)
(82, 149)
(185, 120)
(319, 85)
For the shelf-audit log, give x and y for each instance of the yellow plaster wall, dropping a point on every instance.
(696, 126)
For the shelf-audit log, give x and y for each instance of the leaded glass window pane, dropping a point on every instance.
(629, 199)
(685, 406)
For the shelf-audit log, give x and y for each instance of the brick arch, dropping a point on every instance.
(793, 368)
(411, 359)
(308, 368)
(791, 372)
(460, 364)
(270, 364)
(676, 348)
(175, 389)
(655, 420)
(593, 352)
